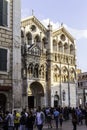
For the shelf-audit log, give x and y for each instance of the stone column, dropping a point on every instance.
(16, 74)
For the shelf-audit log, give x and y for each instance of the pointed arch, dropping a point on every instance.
(72, 49)
(41, 71)
(54, 45)
(30, 68)
(72, 74)
(36, 71)
(65, 74)
(66, 47)
(44, 42)
(29, 38)
(37, 38)
(60, 46)
(56, 74)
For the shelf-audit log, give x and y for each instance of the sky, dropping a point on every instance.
(73, 15)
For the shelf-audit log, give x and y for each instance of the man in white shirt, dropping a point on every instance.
(40, 118)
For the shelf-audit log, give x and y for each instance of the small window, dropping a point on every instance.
(33, 28)
(62, 37)
(3, 59)
(3, 12)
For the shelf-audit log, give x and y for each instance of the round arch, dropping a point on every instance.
(3, 100)
(37, 92)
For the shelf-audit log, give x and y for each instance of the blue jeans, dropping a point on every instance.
(39, 127)
(56, 121)
(22, 127)
(10, 127)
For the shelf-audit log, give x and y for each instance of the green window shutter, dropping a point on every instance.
(3, 59)
(1, 12)
(5, 10)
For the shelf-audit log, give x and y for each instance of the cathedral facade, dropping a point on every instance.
(37, 64)
(48, 65)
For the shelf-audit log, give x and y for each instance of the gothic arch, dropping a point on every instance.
(44, 42)
(56, 74)
(72, 49)
(42, 71)
(37, 38)
(54, 45)
(36, 71)
(60, 46)
(72, 75)
(30, 69)
(64, 74)
(29, 38)
(66, 47)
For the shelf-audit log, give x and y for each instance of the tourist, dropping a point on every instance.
(30, 121)
(56, 117)
(22, 121)
(16, 120)
(74, 120)
(39, 119)
(49, 119)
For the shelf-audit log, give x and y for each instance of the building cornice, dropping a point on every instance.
(62, 29)
(25, 22)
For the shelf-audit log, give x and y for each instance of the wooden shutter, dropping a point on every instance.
(1, 11)
(3, 59)
(5, 9)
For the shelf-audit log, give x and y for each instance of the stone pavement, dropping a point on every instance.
(67, 125)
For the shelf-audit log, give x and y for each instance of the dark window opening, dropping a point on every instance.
(3, 59)
(3, 12)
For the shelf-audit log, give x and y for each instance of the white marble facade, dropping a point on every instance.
(53, 53)
(40, 62)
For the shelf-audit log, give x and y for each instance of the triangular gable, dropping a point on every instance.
(63, 30)
(33, 19)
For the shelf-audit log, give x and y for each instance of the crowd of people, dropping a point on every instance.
(52, 117)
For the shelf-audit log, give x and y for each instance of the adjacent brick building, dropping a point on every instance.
(10, 55)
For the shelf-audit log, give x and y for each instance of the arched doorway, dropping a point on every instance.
(37, 91)
(2, 102)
